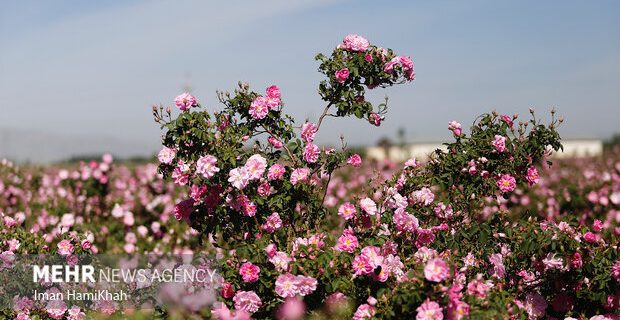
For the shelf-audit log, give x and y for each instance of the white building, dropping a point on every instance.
(572, 148)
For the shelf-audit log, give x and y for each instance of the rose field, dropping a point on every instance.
(492, 227)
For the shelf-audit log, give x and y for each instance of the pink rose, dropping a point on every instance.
(259, 108)
(355, 160)
(590, 237)
(455, 127)
(368, 206)
(532, 176)
(273, 92)
(166, 155)
(311, 153)
(275, 142)
(185, 101)
(273, 223)
(342, 75)
(65, 248)
(347, 211)
(375, 119)
(183, 210)
(249, 272)
(276, 171)
(207, 166)
(308, 130)
(506, 183)
(499, 143)
(347, 242)
(436, 270)
(507, 119)
(353, 42)
(429, 310)
(247, 301)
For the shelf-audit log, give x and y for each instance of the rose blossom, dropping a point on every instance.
(305, 285)
(275, 171)
(299, 175)
(405, 222)
(255, 166)
(590, 237)
(275, 142)
(280, 261)
(166, 155)
(423, 196)
(249, 272)
(375, 119)
(308, 130)
(347, 242)
(615, 270)
(455, 127)
(506, 183)
(264, 189)
(259, 108)
(368, 206)
(185, 101)
(180, 174)
(183, 210)
(65, 248)
(311, 153)
(436, 270)
(532, 176)
(247, 301)
(342, 75)
(597, 226)
(355, 160)
(499, 143)
(361, 265)
(239, 178)
(273, 92)
(364, 311)
(429, 310)
(353, 42)
(286, 285)
(207, 166)
(273, 223)
(347, 211)
(507, 119)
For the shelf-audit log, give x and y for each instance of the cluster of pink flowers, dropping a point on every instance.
(406, 64)
(260, 106)
(253, 169)
(288, 285)
(455, 127)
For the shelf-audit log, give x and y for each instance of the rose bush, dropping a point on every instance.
(485, 229)
(420, 244)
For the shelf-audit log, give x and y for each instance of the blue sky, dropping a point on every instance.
(94, 68)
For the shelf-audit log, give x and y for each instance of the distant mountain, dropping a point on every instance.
(42, 147)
